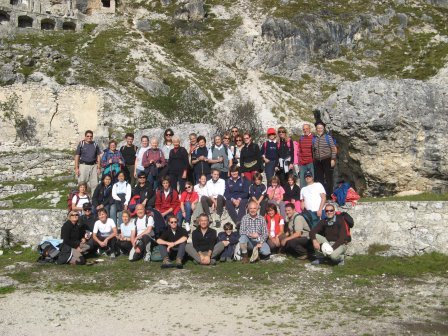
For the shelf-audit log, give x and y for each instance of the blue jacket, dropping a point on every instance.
(237, 189)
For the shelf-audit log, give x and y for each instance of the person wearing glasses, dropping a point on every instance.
(295, 240)
(73, 240)
(188, 201)
(250, 160)
(234, 132)
(172, 243)
(330, 237)
(236, 149)
(166, 147)
(87, 161)
(285, 155)
(313, 198)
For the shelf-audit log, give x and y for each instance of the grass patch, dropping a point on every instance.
(423, 197)
(7, 290)
(369, 265)
(377, 248)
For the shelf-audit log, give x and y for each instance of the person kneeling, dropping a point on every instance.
(172, 242)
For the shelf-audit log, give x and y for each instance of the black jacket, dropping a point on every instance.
(102, 195)
(178, 161)
(250, 154)
(145, 192)
(71, 234)
(290, 194)
(206, 242)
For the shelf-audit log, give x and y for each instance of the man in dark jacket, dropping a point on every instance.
(203, 249)
(145, 190)
(86, 224)
(172, 242)
(236, 195)
(330, 237)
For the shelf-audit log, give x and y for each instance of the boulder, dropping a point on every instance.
(193, 10)
(391, 134)
(7, 75)
(153, 87)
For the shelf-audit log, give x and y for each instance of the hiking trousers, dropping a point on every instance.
(89, 175)
(338, 254)
(191, 251)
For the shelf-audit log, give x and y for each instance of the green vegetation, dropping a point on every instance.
(378, 248)
(32, 200)
(412, 198)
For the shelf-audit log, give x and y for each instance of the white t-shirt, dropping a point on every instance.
(126, 230)
(140, 224)
(311, 195)
(202, 191)
(78, 201)
(139, 157)
(104, 229)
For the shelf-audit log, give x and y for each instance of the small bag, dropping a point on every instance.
(250, 164)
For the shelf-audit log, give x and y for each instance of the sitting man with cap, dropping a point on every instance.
(86, 224)
(269, 154)
(172, 242)
(313, 198)
(330, 237)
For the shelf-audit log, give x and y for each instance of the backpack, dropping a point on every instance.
(159, 222)
(48, 253)
(135, 200)
(155, 254)
(82, 143)
(309, 218)
(348, 222)
(327, 139)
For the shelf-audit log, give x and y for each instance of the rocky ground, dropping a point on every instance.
(283, 296)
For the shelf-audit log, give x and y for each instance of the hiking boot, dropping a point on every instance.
(147, 257)
(302, 257)
(222, 259)
(316, 262)
(166, 263)
(212, 262)
(254, 257)
(341, 263)
(179, 264)
(245, 258)
(228, 259)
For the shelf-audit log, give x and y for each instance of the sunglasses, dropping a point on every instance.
(173, 222)
(87, 209)
(141, 177)
(281, 132)
(234, 131)
(169, 134)
(239, 140)
(227, 229)
(329, 210)
(226, 138)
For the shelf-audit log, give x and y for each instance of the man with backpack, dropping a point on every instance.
(87, 161)
(128, 152)
(331, 236)
(296, 240)
(220, 157)
(141, 241)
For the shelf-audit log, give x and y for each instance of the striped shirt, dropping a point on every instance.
(321, 149)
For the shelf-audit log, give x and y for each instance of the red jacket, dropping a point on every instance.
(277, 218)
(171, 201)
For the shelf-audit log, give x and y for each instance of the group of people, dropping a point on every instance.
(167, 198)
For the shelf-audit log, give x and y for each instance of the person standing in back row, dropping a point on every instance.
(324, 154)
(128, 152)
(305, 154)
(87, 161)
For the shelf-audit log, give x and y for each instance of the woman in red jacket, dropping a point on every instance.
(275, 224)
(167, 199)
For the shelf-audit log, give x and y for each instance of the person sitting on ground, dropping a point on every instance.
(257, 193)
(80, 197)
(313, 198)
(229, 239)
(188, 201)
(220, 157)
(145, 190)
(215, 187)
(199, 159)
(236, 195)
(121, 193)
(129, 151)
(178, 165)
(253, 235)
(73, 240)
(201, 190)
(167, 199)
(330, 237)
(172, 243)
(112, 161)
(153, 161)
(203, 249)
(292, 193)
(127, 231)
(142, 237)
(269, 154)
(295, 241)
(275, 194)
(105, 234)
(102, 197)
(138, 165)
(275, 225)
(87, 223)
(250, 159)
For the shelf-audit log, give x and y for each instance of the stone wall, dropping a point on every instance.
(408, 227)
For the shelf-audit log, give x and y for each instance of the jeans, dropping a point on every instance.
(248, 243)
(187, 218)
(112, 212)
(269, 169)
(178, 250)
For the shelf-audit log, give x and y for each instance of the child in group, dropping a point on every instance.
(127, 230)
(230, 239)
(275, 195)
(275, 224)
(188, 201)
(292, 193)
(257, 193)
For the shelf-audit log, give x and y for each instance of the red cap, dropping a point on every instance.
(271, 131)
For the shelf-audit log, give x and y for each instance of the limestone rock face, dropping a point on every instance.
(153, 87)
(193, 10)
(391, 134)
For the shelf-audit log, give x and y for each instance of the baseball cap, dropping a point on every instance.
(87, 206)
(308, 173)
(271, 131)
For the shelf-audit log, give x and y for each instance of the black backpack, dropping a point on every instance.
(48, 253)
